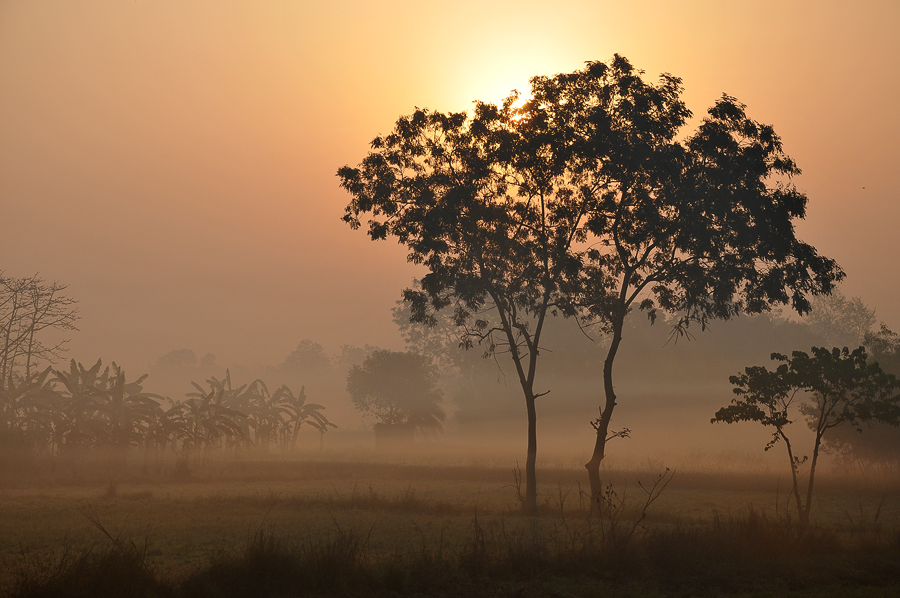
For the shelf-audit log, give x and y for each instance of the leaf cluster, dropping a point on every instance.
(828, 387)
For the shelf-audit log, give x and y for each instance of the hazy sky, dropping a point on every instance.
(174, 161)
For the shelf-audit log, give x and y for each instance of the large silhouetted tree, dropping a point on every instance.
(485, 204)
(583, 200)
(701, 228)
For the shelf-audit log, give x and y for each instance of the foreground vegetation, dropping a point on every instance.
(343, 528)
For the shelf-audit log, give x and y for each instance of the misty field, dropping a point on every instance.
(288, 527)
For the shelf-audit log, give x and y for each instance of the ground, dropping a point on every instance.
(395, 514)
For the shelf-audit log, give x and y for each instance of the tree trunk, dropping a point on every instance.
(804, 519)
(601, 424)
(794, 477)
(530, 505)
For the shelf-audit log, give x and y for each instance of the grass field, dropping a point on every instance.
(376, 528)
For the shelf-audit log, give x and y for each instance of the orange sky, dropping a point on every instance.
(174, 161)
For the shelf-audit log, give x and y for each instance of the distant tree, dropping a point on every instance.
(28, 308)
(440, 340)
(879, 444)
(400, 391)
(884, 346)
(470, 381)
(840, 321)
(830, 389)
(309, 359)
(349, 356)
(179, 359)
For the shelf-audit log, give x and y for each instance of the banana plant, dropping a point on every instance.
(24, 408)
(104, 409)
(125, 408)
(80, 400)
(267, 414)
(208, 420)
(300, 412)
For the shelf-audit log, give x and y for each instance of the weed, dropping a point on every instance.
(117, 569)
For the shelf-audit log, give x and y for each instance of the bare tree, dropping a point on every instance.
(28, 308)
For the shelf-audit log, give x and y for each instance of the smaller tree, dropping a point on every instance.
(830, 388)
(884, 346)
(400, 391)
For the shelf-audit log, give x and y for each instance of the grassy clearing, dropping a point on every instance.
(312, 528)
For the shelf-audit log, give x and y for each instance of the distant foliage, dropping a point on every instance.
(309, 358)
(398, 389)
(839, 321)
(69, 411)
(879, 443)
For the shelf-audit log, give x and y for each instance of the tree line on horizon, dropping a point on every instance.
(227, 418)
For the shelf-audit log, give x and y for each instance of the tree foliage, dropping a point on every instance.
(879, 444)
(308, 359)
(702, 229)
(839, 321)
(479, 201)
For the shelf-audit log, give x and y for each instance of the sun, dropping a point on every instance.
(491, 74)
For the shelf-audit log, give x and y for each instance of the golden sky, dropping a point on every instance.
(174, 161)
